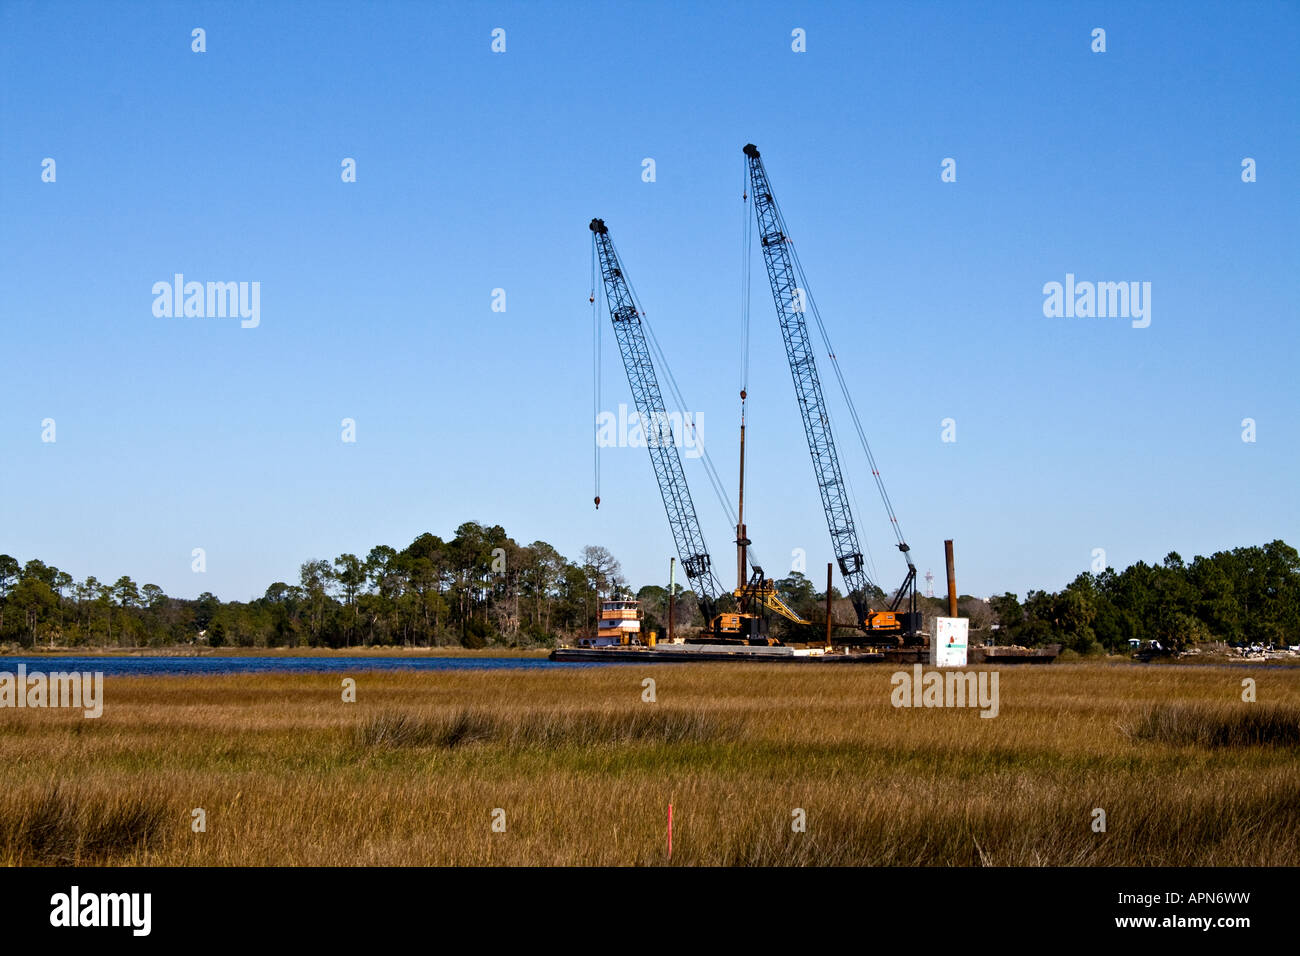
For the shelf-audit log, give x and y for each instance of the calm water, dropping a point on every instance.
(260, 665)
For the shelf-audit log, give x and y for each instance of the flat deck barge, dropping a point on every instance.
(677, 653)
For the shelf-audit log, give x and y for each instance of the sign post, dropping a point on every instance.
(948, 638)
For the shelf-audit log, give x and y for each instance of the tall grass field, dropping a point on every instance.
(764, 765)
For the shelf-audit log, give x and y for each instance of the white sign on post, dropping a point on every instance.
(948, 641)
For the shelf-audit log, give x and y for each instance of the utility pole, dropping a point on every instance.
(742, 539)
(829, 580)
(952, 579)
(672, 586)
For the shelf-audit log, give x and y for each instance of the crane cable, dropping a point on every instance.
(661, 362)
(595, 372)
(844, 388)
(746, 287)
(746, 258)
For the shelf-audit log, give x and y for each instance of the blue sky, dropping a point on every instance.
(478, 171)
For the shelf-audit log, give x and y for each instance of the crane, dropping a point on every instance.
(792, 300)
(744, 626)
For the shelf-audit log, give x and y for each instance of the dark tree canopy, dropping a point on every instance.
(481, 587)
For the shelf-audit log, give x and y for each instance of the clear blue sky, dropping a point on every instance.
(479, 171)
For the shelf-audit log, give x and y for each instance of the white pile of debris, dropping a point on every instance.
(1262, 652)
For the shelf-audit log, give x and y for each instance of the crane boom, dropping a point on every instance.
(626, 318)
(790, 306)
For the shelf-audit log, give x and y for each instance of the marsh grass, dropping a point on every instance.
(59, 826)
(1219, 725)
(547, 729)
(409, 774)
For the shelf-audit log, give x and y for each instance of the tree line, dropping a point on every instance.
(1243, 596)
(482, 587)
(479, 587)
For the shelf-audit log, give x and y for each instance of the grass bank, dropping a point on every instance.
(584, 769)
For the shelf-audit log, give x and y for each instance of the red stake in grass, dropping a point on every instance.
(670, 831)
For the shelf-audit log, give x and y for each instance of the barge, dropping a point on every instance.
(619, 639)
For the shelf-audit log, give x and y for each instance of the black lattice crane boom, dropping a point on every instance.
(792, 301)
(676, 494)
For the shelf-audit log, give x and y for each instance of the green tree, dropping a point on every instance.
(205, 611)
(798, 592)
(10, 572)
(1073, 611)
(35, 602)
(542, 573)
(350, 575)
(283, 602)
(1009, 617)
(46, 574)
(126, 592)
(316, 577)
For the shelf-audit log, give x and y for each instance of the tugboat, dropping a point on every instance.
(619, 624)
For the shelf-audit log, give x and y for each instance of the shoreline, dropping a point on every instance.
(525, 653)
(274, 652)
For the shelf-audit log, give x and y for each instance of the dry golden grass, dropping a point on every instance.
(410, 774)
